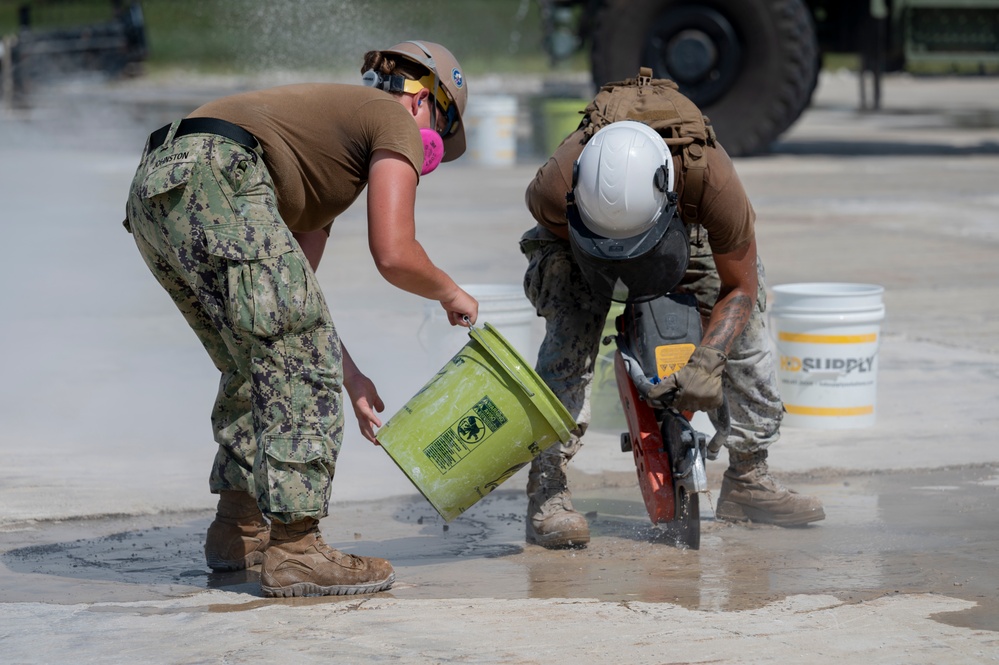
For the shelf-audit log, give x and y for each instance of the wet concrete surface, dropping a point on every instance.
(934, 532)
(106, 445)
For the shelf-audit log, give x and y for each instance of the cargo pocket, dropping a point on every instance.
(167, 177)
(299, 473)
(542, 265)
(554, 282)
(234, 166)
(272, 292)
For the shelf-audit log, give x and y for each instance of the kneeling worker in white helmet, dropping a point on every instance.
(614, 182)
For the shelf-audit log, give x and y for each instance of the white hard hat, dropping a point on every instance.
(622, 179)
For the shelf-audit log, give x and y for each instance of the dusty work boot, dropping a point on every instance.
(750, 493)
(238, 536)
(299, 563)
(551, 520)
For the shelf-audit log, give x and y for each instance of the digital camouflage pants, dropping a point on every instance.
(204, 216)
(748, 421)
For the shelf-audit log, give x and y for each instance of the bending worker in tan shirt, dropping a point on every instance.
(231, 209)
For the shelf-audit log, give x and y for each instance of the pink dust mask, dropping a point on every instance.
(433, 150)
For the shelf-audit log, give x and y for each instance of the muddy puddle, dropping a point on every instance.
(886, 533)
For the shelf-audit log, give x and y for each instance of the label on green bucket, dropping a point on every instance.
(472, 428)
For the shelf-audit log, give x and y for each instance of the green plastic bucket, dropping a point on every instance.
(560, 117)
(480, 419)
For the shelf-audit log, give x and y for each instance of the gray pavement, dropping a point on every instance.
(107, 394)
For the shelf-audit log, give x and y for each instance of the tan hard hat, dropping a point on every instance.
(441, 62)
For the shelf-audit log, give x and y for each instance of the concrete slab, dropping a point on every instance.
(106, 397)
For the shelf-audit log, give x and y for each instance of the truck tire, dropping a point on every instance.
(750, 65)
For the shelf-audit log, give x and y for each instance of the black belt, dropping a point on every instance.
(204, 126)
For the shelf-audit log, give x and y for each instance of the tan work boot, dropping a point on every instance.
(238, 536)
(551, 520)
(299, 563)
(750, 493)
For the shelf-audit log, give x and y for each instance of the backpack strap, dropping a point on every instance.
(658, 104)
(694, 164)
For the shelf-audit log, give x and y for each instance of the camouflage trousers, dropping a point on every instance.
(748, 421)
(203, 212)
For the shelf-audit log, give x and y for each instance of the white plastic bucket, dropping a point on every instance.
(827, 337)
(490, 123)
(503, 306)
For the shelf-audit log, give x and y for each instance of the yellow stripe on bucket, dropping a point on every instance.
(805, 338)
(830, 410)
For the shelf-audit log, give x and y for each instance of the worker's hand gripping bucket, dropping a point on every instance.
(480, 419)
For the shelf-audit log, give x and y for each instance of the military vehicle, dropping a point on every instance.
(51, 40)
(752, 65)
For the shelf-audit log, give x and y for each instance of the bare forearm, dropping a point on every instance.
(728, 319)
(313, 245)
(739, 284)
(400, 257)
(363, 397)
(350, 369)
(412, 270)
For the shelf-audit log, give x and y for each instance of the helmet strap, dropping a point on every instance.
(395, 83)
(391, 83)
(430, 64)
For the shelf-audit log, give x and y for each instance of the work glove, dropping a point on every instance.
(698, 384)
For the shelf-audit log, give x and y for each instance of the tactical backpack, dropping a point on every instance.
(659, 104)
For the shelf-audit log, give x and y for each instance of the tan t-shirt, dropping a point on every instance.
(317, 141)
(725, 210)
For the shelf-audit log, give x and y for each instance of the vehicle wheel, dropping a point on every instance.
(688, 519)
(751, 66)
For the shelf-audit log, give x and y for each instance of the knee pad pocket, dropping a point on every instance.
(299, 470)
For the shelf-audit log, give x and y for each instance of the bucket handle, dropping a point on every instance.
(513, 375)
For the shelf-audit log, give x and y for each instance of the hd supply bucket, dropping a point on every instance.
(503, 305)
(490, 122)
(827, 337)
(480, 419)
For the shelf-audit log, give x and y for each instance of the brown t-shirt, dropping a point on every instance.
(317, 140)
(725, 210)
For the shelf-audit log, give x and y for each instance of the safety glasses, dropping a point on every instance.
(445, 107)
(449, 119)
